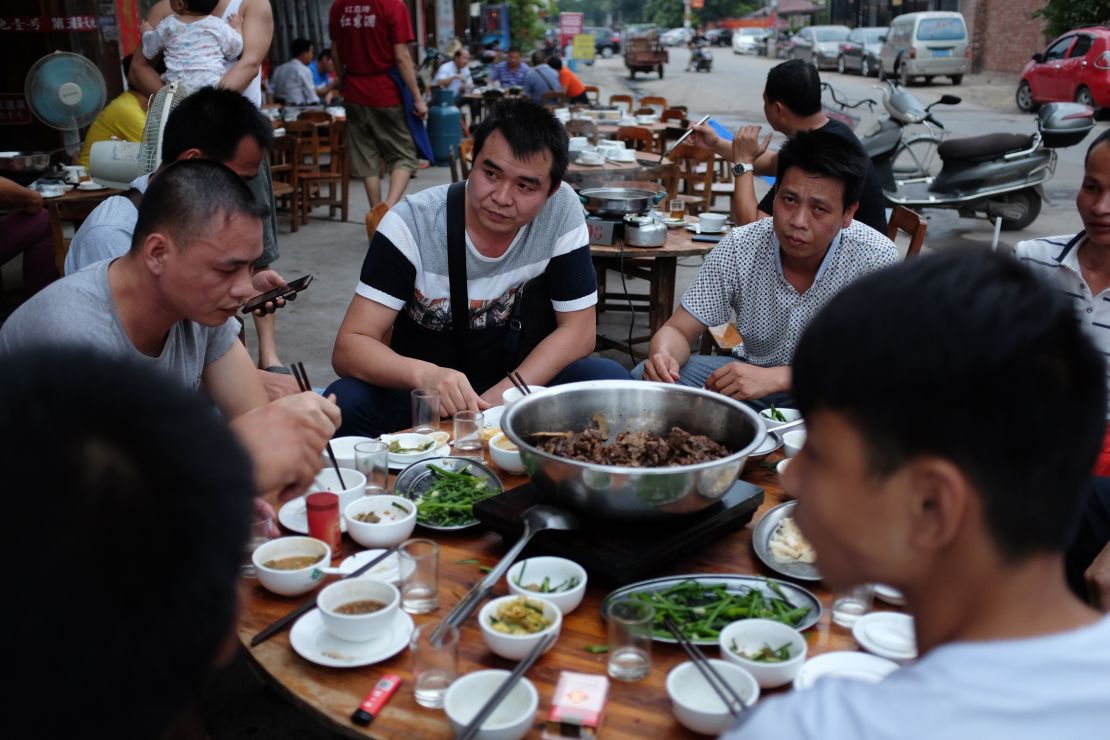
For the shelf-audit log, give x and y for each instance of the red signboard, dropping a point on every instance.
(13, 109)
(46, 23)
(570, 25)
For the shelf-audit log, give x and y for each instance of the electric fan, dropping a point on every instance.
(117, 163)
(157, 113)
(66, 91)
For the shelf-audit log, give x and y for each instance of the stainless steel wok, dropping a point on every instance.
(628, 405)
(616, 202)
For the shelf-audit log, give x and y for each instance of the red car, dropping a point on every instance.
(1075, 66)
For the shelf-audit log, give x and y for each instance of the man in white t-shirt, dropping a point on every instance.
(932, 464)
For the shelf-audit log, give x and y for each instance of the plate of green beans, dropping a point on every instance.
(445, 490)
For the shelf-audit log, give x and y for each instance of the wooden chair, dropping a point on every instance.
(71, 211)
(593, 94)
(335, 177)
(554, 99)
(323, 122)
(308, 138)
(909, 222)
(654, 101)
(466, 148)
(453, 164)
(284, 158)
(677, 115)
(374, 217)
(582, 128)
(646, 110)
(625, 99)
(639, 138)
(695, 171)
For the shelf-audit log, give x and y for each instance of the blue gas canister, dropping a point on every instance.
(444, 124)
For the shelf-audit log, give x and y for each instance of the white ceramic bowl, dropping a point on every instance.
(327, 480)
(409, 441)
(696, 705)
(611, 142)
(291, 582)
(713, 221)
(344, 449)
(750, 635)
(358, 627)
(793, 442)
(512, 718)
(558, 571)
(398, 519)
(789, 414)
(646, 118)
(512, 395)
(507, 460)
(781, 470)
(515, 647)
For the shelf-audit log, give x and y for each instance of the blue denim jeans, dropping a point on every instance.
(369, 410)
(698, 369)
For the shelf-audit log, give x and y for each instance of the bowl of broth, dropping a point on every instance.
(290, 566)
(358, 609)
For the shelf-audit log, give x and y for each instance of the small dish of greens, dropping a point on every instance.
(774, 416)
(703, 605)
(558, 580)
(445, 490)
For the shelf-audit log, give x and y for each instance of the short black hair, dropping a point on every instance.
(555, 63)
(135, 500)
(1099, 141)
(214, 120)
(191, 197)
(299, 46)
(826, 155)
(969, 357)
(324, 53)
(530, 129)
(514, 49)
(795, 84)
(201, 6)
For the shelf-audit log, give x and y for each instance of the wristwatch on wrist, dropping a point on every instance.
(742, 168)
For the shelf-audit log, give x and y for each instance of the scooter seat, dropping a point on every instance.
(980, 148)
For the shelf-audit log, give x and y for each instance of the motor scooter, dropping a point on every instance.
(702, 57)
(991, 176)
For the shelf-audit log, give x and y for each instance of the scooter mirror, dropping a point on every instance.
(949, 99)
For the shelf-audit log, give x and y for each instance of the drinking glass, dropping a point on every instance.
(849, 604)
(425, 410)
(468, 433)
(677, 208)
(435, 663)
(418, 561)
(260, 534)
(630, 634)
(372, 460)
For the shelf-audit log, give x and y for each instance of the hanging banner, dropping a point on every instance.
(46, 23)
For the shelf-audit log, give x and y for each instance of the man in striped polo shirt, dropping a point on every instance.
(1078, 265)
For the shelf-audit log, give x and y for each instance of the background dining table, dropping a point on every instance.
(634, 710)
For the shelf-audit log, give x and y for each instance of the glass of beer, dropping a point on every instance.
(677, 209)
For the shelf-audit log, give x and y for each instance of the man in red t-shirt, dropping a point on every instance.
(369, 40)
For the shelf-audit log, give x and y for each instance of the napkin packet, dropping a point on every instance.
(577, 706)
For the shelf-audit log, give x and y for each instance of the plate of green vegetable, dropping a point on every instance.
(703, 605)
(445, 490)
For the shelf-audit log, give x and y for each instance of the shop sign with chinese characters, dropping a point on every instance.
(46, 23)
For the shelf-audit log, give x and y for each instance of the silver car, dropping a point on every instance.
(925, 45)
(819, 45)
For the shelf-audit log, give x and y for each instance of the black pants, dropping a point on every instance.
(1093, 534)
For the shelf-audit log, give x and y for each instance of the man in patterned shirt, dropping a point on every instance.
(511, 72)
(775, 275)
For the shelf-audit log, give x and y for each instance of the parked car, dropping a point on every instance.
(719, 36)
(676, 37)
(818, 45)
(747, 40)
(860, 51)
(925, 45)
(607, 42)
(1075, 66)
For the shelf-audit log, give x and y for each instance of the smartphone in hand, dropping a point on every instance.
(288, 292)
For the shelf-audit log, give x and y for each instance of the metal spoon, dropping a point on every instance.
(536, 519)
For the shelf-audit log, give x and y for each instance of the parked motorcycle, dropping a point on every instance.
(992, 176)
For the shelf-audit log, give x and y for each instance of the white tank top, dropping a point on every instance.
(253, 92)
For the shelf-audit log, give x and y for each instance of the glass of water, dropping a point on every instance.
(849, 604)
(425, 410)
(468, 433)
(261, 530)
(418, 561)
(372, 460)
(630, 634)
(435, 663)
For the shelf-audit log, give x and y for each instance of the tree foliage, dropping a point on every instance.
(1064, 15)
(525, 24)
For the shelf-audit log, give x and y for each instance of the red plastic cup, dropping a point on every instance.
(323, 518)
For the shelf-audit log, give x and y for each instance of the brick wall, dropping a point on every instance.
(1003, 34)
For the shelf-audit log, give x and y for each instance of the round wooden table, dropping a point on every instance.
(634, 710)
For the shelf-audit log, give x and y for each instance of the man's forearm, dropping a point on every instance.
(669, 340)
(143, 77)
(745, 206)
(407, 70)
(561, 347)
(372, 361)
(240, 75)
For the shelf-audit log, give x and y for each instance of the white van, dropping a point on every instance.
(925, 45)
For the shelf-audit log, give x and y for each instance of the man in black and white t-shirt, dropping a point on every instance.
(522, 223)
(775, 274)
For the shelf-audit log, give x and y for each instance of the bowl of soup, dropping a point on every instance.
(358, 609)
(380, 521)
(290, 566)
(505, 454)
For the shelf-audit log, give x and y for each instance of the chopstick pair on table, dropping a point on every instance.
(518, 382)
(471, 730)
(733, 701)
(302, 382)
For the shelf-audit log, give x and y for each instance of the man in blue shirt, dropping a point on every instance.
(539, 80)
(512, 71)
